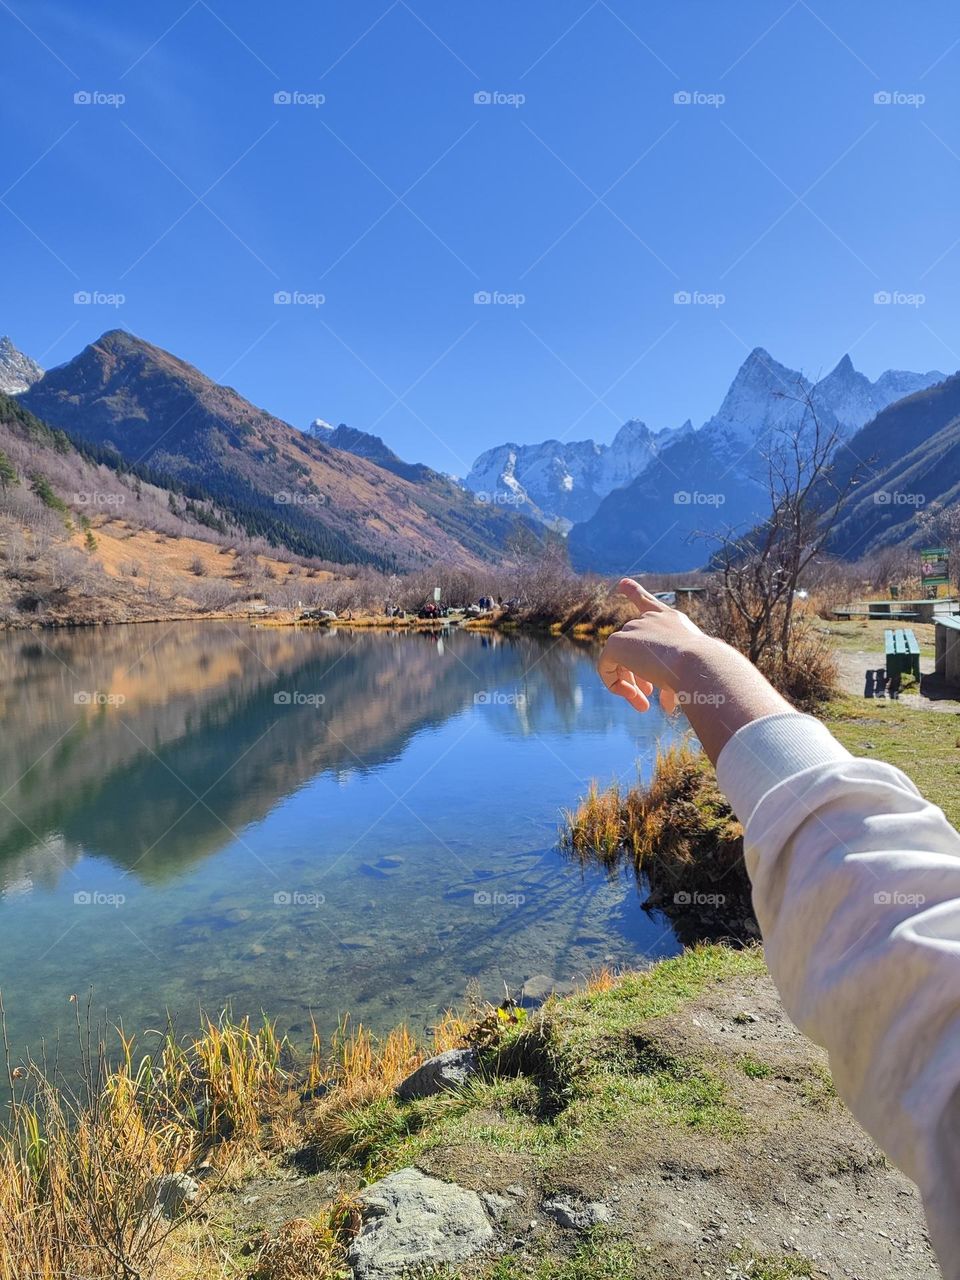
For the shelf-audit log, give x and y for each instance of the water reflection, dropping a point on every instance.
(300, 819)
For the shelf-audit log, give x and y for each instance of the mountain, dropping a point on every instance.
(17, 371)
(905, 459)
(713, 480)
(362, 444)
(293, 489)
(562, 482)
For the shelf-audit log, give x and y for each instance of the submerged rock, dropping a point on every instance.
(449, 1070)
(411, 1220)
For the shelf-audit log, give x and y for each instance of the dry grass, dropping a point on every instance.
(678, 834)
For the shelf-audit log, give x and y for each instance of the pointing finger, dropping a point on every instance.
(638, 596)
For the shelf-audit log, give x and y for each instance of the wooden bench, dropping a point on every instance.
(902, 653)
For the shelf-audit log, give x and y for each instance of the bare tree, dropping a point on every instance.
(760, 570)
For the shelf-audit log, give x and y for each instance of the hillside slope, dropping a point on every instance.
(278, 482)
(85, 538)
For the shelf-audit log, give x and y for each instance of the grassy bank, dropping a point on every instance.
(672, 1093)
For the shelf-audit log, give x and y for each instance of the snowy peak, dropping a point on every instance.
(562, 482)
(17, 371)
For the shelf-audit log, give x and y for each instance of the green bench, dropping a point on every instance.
(903, 653)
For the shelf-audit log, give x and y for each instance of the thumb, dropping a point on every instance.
(638, 596)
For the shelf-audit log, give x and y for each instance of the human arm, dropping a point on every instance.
(856, 886)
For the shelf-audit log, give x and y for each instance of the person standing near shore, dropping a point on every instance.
(856, 887)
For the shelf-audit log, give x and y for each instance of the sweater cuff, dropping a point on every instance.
(769, 751)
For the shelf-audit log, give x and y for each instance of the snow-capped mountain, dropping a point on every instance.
(716, 477)
(766, 394)
(17, 371)
(561, 482)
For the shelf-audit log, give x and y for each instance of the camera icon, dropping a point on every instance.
(883, 98)
(682, 298)
(682, 899)
(883, 899)
(82, 698)
(882, 298)
(483, 98)
(482, 298)
(683, 98)
(283, 98)
(282, 298)
(882, 498)
(482, 898)
(83, 98)
(82, 898)
(482, 698)
(282, 899)
(682, 498)
(82, 298)
(283, 498)
(283, 698)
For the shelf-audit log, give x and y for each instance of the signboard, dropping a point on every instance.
(934, 567)
(436, 593)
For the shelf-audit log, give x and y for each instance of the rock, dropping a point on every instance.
(540, 986)
(450, 1070)
(576, 1215)
(172, 1193)
(497, 1206)
(411, 1220)
(358, 941)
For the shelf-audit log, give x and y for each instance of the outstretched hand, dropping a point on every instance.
(650, 651)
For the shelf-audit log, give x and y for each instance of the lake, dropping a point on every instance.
(292, 820)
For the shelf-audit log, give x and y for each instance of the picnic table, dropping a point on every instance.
(902, 652)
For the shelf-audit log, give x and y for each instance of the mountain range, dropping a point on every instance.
(650, 500)
(294, 488)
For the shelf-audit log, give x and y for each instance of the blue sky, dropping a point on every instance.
(583, 187)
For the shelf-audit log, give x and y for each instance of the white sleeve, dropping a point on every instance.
(856, 887)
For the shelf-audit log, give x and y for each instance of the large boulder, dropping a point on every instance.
(450, 1070)
(411, 1220)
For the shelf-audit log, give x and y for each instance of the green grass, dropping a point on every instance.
(568, 1078)
(588, 1019)
(754, 1068)
(780, 1266)
(924, 744)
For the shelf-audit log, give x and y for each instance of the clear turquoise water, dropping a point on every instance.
(197, 815)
